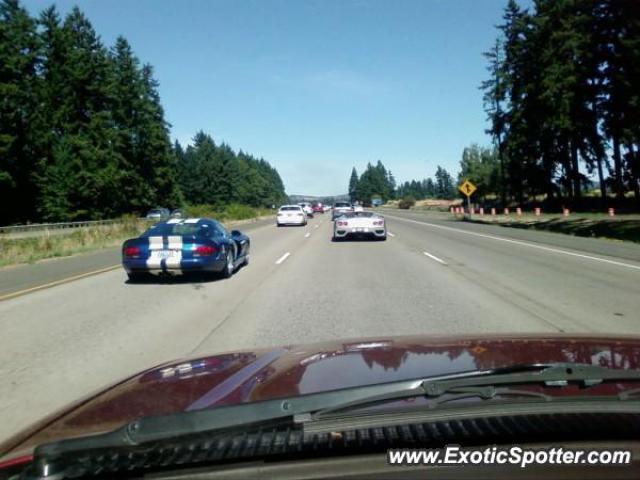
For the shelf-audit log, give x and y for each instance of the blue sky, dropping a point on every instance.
(315, 86)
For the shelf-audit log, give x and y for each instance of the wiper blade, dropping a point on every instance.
(312, 406)
(485, 384)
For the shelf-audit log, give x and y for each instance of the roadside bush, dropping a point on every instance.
(406, 203)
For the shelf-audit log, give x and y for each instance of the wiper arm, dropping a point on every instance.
(310, 407)
(485, 384)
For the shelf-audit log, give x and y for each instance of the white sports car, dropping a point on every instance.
(359, 225)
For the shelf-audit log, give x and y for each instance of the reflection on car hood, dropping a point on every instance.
(247, 376)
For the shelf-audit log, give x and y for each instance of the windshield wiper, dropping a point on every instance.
(482, 383)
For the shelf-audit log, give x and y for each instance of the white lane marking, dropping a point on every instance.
(316, 226)
(307, 235)
(282, 258)
(439, 260)
(391, 234)
(525, 244)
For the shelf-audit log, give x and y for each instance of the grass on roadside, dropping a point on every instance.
(622, 227)
(28, 250)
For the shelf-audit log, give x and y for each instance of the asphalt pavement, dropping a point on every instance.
(432, 276)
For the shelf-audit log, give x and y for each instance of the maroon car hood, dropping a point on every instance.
(294, 370)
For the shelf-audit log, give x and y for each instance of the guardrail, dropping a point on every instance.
(34, 227)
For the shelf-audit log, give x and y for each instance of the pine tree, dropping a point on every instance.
(353, 184)
(19, 51)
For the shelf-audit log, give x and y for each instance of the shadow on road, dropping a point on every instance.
(180, 279)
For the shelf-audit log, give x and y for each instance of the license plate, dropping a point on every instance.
(164, 253)
(359, 229)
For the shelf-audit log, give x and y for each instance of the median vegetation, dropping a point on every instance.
(56, 243)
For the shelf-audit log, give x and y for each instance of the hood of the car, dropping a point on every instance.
(247, 376)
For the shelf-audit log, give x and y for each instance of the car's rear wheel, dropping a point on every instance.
(227, 271)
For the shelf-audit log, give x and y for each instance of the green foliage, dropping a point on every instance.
(375, 182)
(442, 187)
(407, 202)
(83, 133)
(233, 211)
(215, 174)
(563, 91)
(481, 166)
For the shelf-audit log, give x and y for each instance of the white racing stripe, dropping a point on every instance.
(524, 244)
(155, 245)
(175, 244)
(192, 220)
(174, 220)
(282, 258)
(439, 260)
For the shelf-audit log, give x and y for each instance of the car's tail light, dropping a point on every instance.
(131, 252)
(378, 222)
(204, 251)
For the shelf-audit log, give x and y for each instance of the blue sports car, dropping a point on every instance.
(185, 245)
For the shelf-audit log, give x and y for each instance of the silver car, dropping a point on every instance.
(359, 225)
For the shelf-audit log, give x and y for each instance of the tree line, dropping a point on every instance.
(215, 174)
(563, 99)
(378, 182)
(83, 134)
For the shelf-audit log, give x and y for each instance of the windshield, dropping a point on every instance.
(214, 203)
(166, 229)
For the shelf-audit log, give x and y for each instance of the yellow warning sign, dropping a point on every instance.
(467, 188)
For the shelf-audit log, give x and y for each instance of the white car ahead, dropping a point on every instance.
(359, 225)
(291, 215)
(307, 208)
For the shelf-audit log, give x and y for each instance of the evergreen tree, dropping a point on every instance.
(353, 184)
(19, 51)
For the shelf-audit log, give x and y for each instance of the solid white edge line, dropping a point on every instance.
(307, 235)
(439, 260)
(525, 244)
(282, 258)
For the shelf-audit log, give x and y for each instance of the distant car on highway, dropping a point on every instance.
(158, 214)
(185, 246)
(308, 209)
(291, 215)
(178, 213)
(359, 225)
(339, 208)
(358, 208)
(317, 208)
(326, 208)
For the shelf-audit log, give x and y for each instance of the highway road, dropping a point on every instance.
(432, 276)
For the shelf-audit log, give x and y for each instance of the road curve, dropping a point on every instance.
(71, 339)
